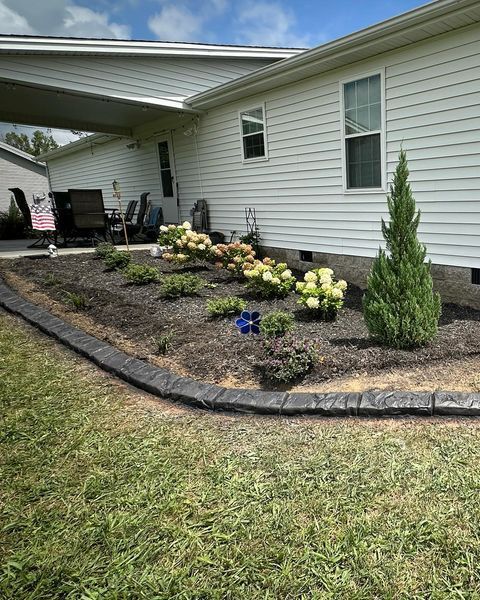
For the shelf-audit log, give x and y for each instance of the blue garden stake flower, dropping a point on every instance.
(248, 322)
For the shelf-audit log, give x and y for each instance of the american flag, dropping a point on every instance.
(42, 217)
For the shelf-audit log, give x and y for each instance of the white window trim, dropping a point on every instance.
(261, 105)
(383, 151)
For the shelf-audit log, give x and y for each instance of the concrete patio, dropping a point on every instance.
(19, 248)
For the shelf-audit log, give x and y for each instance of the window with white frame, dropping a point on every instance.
(252, 124)
(362, 106)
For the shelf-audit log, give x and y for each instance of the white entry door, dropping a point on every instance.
(167, 179)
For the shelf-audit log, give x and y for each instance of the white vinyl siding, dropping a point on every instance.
(431, 108)
(138, 78)
(17, 172)
(136, 171)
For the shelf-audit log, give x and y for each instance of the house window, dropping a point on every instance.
(252, 124)
(362, 124)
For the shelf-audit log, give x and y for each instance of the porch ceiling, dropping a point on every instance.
(48, 107)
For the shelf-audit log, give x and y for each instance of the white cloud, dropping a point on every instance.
(268, 24)
(12, 22)
(84, 22)
(59, 18)
(174, 23)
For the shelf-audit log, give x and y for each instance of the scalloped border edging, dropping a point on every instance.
(166, 384)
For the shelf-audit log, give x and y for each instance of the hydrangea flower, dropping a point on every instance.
(249, 322)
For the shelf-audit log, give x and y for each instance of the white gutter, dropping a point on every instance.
(273, 74)
(52, 45)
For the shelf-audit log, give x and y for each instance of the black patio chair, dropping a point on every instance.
(136, 229)
(151, 228)
(115, 219)
(88, 213)
(64, 216)
(46, 237)
(22, 204)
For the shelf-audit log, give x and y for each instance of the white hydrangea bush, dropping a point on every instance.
(321, 293)
(186, 245)
(266, 279)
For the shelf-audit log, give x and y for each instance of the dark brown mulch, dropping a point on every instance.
(212, 349)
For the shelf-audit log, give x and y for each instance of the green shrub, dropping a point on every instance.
(287, 358)
(181, 284)
(76, 301)
(118, 259)
(104, 249)
(276, 324)
(400, 306)
(51, 280)
(12, 223)
(222, 307)
(164, 342)
(140, 274)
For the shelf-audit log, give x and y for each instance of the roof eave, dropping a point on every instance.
(79, 46)
(272, 75)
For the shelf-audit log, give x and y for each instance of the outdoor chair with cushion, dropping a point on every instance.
(151, 228)
(88, 214)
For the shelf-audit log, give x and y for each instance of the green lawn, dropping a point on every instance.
(109, 495)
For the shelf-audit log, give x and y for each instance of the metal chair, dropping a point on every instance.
(22, 204)
(46, 237)
(88, 213)
(64, 216)
(152, 226)
(136, 229)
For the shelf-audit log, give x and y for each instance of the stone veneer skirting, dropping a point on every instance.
(453, 283)
(165, 384)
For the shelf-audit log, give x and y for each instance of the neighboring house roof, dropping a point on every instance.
(427, 21)
(21, 153)
(15, 44)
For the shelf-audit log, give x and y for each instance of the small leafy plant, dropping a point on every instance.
(118, 259)
(164, 342)
(223, 307)
(181, 284)
(104, 249)
(51, 280)
(287, 358)
(76, 301)
(276, 324)
(140, 274)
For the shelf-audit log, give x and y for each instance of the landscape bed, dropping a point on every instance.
(212, 349)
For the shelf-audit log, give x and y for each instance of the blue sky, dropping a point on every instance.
(262, 22)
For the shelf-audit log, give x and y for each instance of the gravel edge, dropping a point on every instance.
(163, 383)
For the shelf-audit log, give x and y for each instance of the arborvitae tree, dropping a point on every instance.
(400, 307)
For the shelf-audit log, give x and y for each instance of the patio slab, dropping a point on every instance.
(18, 249)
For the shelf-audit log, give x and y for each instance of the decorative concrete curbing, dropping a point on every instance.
(162, 382)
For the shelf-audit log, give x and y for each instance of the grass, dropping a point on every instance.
(109, 495)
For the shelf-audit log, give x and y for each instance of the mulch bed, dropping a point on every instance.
(212, 349)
